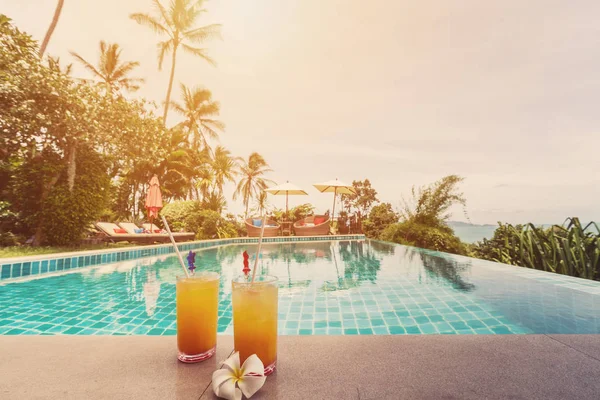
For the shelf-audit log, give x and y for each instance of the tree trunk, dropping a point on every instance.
(71, 165)
(57, 12)
(168, 100)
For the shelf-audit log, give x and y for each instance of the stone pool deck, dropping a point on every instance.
(310, 367)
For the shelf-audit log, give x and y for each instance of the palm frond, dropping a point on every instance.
(163, 12)
(120, 71)
(203, 33)
(87, 65)
(199, 53)
(151, 22)
(163, 48)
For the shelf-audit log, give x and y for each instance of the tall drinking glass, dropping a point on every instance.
(197, 308)
(255, 319)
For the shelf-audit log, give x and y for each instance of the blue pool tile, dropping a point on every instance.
(26, 269)
(412, 330)
(5, 271)
(365, 331)
(501, 330)
(35, 267)
(380, 330)
(16, 270)
(397, 330)
(52, 267)
(306, 332)
(350, 331)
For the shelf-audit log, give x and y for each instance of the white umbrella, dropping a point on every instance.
(286, 189)
(336, 187)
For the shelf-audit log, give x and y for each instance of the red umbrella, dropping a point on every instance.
(153, 198)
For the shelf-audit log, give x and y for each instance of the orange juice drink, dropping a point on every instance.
(197, 307)
(255, 319)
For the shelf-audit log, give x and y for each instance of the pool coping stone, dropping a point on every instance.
(316, 367)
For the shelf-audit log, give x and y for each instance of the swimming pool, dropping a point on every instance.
(326, 288)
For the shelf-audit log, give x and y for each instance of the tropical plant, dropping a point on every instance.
(252, 182)
(411, 233)
(197, 108)
(54, 64)
(111, 71)
(362, 199)
(294, 214)
(52, 26)
(177, 22)
(571, 249)
(380, 217)
(261, 204)
(225, 168)
(430, 204)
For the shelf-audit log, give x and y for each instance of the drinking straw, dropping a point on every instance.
(187, 275)
(262, 232)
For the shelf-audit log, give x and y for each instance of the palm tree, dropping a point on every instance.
(197, 107)
(54, 65)
(111, 71)
(261, 203)
(52, 26)
(177, 23)
(224, 167)
(252, 182)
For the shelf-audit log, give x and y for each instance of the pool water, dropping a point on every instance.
(325, 288)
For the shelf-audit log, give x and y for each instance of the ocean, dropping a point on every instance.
(473, 233)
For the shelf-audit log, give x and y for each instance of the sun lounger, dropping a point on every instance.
(179, 236)
(271, 227)
(315, 225)
(115, 233)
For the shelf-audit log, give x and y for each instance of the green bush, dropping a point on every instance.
(8, 239)
(294, 214)
(571, 249)
(177, 213)
(66, 215)
(380, 217)
(414, 234)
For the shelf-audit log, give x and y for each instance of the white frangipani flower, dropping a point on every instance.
(250, 377)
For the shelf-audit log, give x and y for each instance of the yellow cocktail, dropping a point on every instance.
(255, 319)
(197, 308)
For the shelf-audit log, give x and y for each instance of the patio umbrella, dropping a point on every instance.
(153, 198)
(336, 187)
(286, 189)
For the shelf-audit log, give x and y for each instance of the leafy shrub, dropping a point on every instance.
(65, 214)
(8, 239)
(380, 217)
(571, 249)
(295, 213)
(177, 213)
(415, 234)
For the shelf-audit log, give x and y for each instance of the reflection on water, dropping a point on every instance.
(371, 286)
(449, 270)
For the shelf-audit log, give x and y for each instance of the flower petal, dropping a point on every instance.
(219, 377)
(253, 365)
(233, 362)
(227, 389)
(251, 384)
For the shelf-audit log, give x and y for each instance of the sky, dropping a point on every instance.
(505, 94)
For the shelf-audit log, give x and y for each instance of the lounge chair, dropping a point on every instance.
(271, 228)
(115, 233)
(179, 236)
(315, 225)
